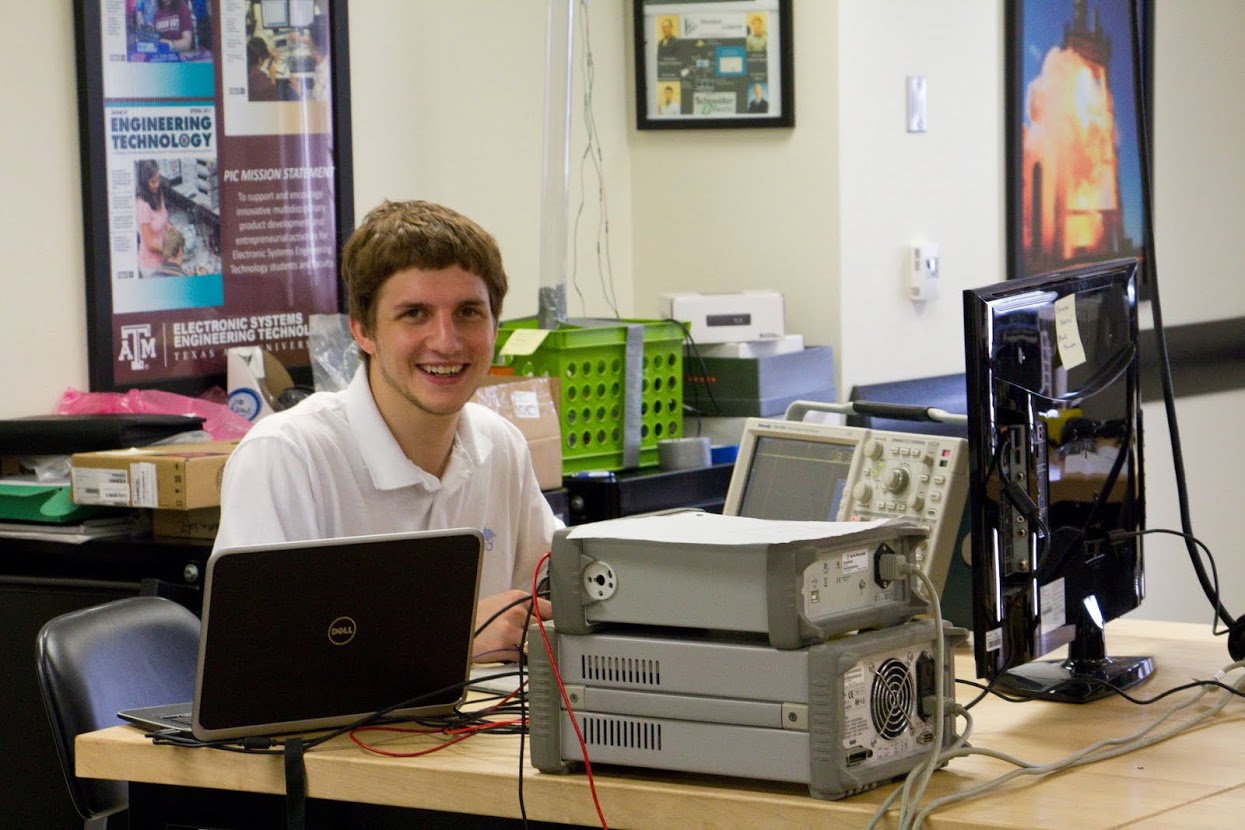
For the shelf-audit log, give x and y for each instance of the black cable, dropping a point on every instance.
(275, 746)
(1049, 567)
(523, 701)
(497, 614)
(295, 784)
(1214, 570)
(1150, 264)
(703, 378)
(1018, 496)
(542, 589)
(1125, 447)
(988, 689)
(1116, 537)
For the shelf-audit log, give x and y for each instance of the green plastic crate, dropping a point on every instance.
(588, 359)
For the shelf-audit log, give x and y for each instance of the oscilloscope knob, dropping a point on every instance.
(897, 480)
(874, 449)
(862, 492)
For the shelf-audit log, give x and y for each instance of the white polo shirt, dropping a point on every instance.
(330, 467)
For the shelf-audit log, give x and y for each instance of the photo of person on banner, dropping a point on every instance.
(756, 39)
(174, 264)
(178, 232)
(168, 30)
(757, 100)
(261, 71)
(665, 32)
(669, 99)
(151, 216)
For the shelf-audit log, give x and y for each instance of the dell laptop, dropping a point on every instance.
(299, 636)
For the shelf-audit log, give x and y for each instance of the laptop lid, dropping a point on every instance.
(311, 635)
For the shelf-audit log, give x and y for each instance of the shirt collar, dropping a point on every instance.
(388, 465)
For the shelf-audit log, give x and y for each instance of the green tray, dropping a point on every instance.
(589, 359)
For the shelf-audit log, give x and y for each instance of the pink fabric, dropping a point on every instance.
(219, 420)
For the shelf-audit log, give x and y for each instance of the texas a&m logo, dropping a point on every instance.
(137, 346)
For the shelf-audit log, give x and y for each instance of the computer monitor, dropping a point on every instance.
(276, 13)
(1056, 489)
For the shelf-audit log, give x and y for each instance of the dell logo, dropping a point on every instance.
(341, 631)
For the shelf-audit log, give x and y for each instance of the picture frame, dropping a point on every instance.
(719, 65)
(216, 181)
(1073, 148)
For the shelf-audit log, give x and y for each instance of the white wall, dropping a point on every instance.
(719, 210)
(1212, 460)
(1199, 176)
(898, 188)
(43, 314)
(448, 104)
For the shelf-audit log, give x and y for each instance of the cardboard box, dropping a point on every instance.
(175, 477)
(759, 387)
(529, 404)
(199, 523)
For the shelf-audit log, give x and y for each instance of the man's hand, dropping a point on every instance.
(500, 639)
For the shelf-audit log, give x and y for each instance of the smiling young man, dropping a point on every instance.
(402, 448)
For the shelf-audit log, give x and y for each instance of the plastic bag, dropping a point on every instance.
(334, 354)
(219, 421)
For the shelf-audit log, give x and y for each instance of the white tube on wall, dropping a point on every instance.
(556, 165)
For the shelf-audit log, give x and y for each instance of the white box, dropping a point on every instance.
(729, 316)
(787, 344)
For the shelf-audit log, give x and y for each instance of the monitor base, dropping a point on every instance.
(1074, 680)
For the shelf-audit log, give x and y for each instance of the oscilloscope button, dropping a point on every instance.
(897, 481)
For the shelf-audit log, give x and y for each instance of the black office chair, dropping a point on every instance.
(91, 663)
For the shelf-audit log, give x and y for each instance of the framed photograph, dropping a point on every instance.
(1073, 149)
(216, 182)
(720, 64)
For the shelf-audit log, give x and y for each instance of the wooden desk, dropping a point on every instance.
(1196, 780)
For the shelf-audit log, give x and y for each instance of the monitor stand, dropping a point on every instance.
(1087, 673)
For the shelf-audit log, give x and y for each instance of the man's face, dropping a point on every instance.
(432, 342)
(667, 29)
(669, 94)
